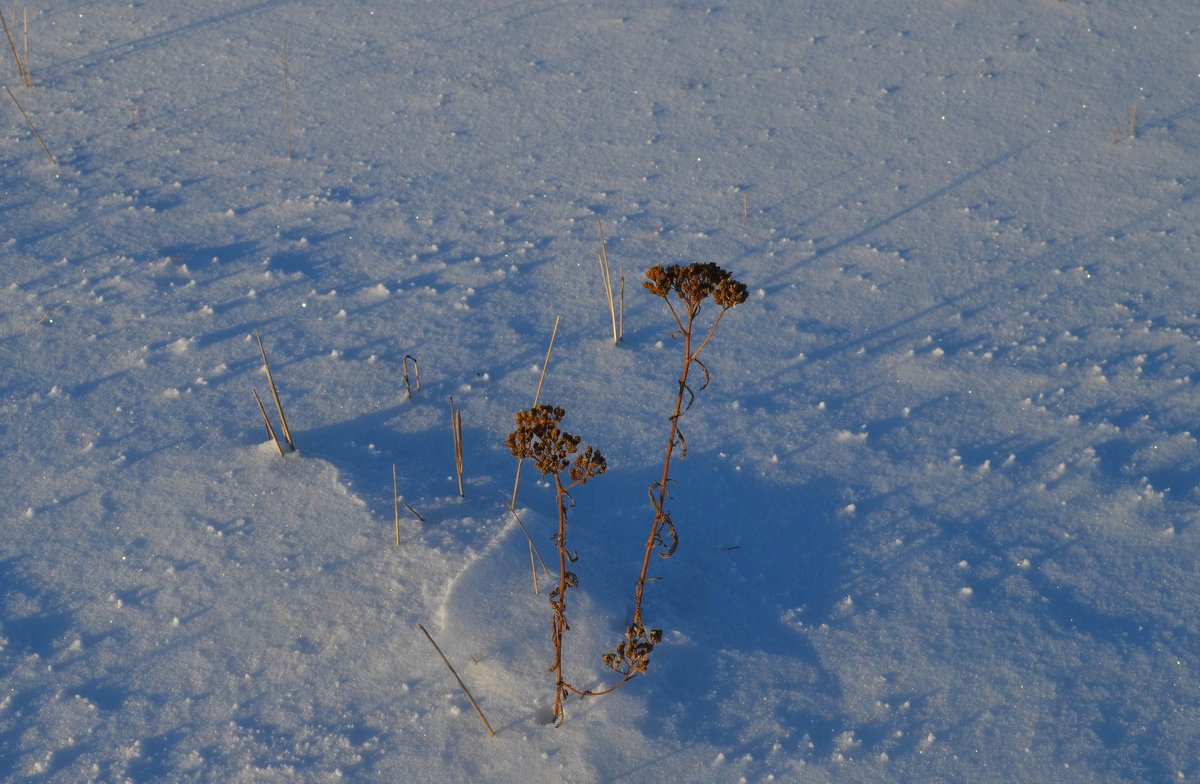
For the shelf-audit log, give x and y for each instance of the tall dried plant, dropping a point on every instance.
(538, 436)
(685, 289)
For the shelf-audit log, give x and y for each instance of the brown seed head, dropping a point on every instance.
(660, 280)
(695, 282)
(590, 463)
(538, 436)
(729, 292)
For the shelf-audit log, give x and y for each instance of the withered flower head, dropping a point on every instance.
(660, 280)
(695, 282)
(588, 464)
(538, 436)
(729, 292)
(632, 656)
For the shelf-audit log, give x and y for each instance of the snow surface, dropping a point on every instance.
(938, 515)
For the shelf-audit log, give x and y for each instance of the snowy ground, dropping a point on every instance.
(938, 515)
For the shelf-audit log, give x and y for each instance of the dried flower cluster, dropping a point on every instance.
(632, 656)
(693, 283)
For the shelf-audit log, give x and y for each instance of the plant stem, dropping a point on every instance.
(660, 516)
(558, 600)
(663, 484)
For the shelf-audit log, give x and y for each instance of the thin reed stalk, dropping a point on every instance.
(461, 685)
(456, 431)
(396, 501)
(621, 310)
(287, 433)
(13, 46)
(532, 547)
(25, 42)
(33, 128)
(606, 279)
(536, 396)
(267, 422)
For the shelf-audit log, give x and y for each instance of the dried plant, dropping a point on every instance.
(538, 436)
(684, 289)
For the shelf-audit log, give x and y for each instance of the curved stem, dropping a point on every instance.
(711, 331)
(582, 693)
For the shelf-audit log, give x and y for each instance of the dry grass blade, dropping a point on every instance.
(25, 41)
(41, 141)
(408, 382)
(533, 553)
(532, 547)
(267, 422)
(13, 46)
(1131, 130)
(537, 393)
(412, 511)
(537, 590)
(621, 311)
(396, 501)
(536, 396)
(456, 431)
(287, 434)
(461, 685)
(606, 279)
